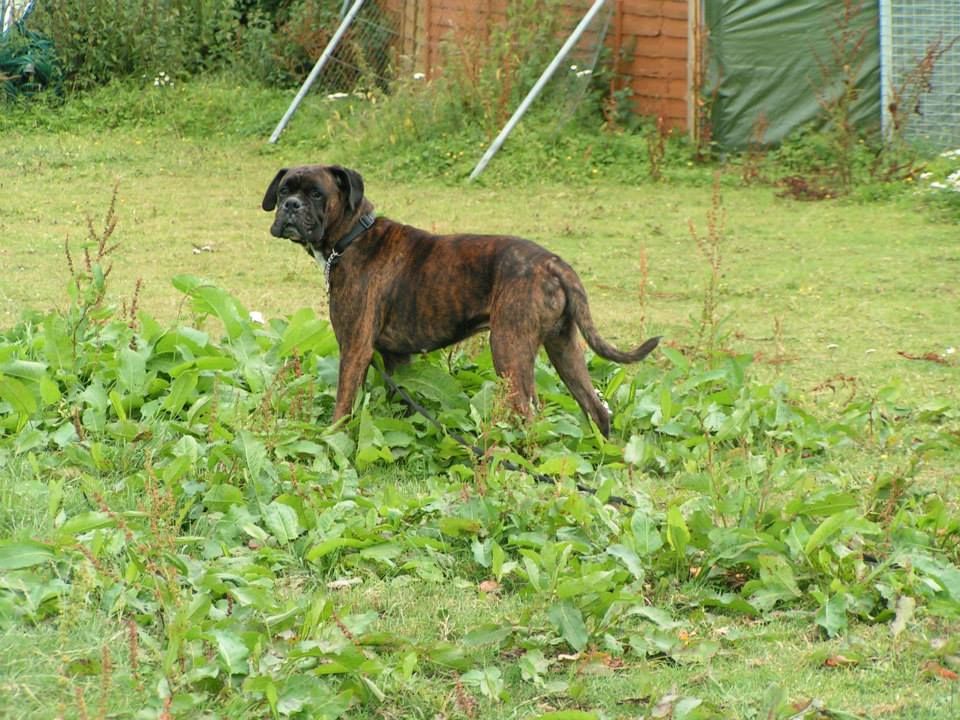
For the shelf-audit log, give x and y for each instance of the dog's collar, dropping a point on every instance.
(363, 224)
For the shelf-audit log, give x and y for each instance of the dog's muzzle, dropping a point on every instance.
(292, 222)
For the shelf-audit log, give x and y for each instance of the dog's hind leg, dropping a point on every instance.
(567, 357)
(513, 359)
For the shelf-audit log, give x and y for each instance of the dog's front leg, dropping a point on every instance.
(355, 358)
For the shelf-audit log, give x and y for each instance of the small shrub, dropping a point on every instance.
(940, 184)
(101, 40)
(28, 63)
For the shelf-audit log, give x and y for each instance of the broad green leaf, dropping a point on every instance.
(85, 522)
(677, 358)
(305, 696)
(211, 300)
(253, 451)
(266, 686)
(678, 534)
(646, 536)
(569, 621)
(232, 650)
(23, 554)
(423, 379)
(561, 465)
(307, 333)
(17, 395)
(181, 391)
(328, 546)
(488, 634)
(666, 406)
(629, 558)
(131, 371)
(533, 665)
(220, 497)
(823, 504)
(658, 616)
(946, 575)
(596, 582)
(832, 616)
(370, 443)
(282, 522)
(29, 370)
(456, 527)
(448, 655)
(383, 552)
(57, 345)
(489, 681)
(828, 528)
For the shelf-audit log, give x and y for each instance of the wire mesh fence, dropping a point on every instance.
(366, 56)
(416, 37)
(924, 50)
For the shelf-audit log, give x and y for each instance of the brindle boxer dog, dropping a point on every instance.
(400, 290)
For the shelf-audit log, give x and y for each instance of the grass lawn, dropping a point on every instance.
(838, 300)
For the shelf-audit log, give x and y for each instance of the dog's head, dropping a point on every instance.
(315, 204)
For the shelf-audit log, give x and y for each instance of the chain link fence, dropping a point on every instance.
(921, 65)
(366, 56)
(389, 37)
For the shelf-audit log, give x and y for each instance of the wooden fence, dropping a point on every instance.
(649, 40)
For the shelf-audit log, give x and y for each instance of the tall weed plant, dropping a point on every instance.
(100, 40)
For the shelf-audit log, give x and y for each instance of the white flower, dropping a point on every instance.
(337, 96)
(951, 153)
(257, 317)
(419, 76)
(938, 186)
(584, 72)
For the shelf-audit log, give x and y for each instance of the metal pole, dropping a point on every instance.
(886, 68)
(535, 90)
(328, 51)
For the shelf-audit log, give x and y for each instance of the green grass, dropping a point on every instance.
(851, 284)
(825, 295)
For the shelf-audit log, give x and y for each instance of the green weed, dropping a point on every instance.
(202, 504)
(171, 490)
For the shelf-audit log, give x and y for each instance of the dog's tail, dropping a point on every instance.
(580, 312)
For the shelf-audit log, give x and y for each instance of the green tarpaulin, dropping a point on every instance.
(767, 58)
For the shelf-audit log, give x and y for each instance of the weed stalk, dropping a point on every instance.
(710, 246)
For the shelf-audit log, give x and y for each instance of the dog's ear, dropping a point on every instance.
(270, 197)
(350, 184)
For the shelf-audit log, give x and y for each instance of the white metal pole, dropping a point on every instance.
(328, 51)
(886, 68)
(535, 90)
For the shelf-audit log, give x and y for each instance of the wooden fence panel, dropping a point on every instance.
(649, 40)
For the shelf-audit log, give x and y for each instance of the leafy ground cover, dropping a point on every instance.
(184, 535)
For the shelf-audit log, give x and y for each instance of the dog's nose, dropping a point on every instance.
(292, 204)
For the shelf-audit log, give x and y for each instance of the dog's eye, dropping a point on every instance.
(317, 195)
